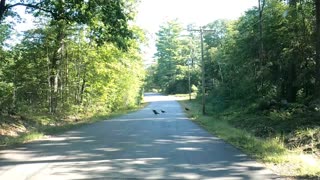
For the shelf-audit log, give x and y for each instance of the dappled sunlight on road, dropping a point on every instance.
(139, 145)
(189, 149)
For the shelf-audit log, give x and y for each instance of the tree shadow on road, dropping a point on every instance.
(139, 145)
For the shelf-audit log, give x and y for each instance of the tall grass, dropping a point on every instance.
(270, 151)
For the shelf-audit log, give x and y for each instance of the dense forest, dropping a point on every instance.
(264, 67)
(273, 55)
(80, 57)
(270, 53)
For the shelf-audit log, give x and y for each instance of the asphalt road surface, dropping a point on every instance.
(139, 145)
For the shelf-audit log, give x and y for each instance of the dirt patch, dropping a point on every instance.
(308, 140)
(13, 125)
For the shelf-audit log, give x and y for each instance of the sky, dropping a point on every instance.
(153, 13)
(25, 24)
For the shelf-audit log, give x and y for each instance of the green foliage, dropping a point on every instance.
(268, 64)
(74, 62)
(267, 150)
(107, 19)
(173, 51)
(6, 90)
(238, 128)
(283, 70)
(4, 33)
(261, 78)
(239, 64)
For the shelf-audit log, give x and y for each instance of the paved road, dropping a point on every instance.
(139, 145)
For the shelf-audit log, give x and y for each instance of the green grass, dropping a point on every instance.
(22, 138)
(271, 150)
(42, 125)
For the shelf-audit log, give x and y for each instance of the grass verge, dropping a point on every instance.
(271, 150)
(40, 126)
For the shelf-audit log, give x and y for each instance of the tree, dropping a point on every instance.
(286, 72)
(168, 54)
(91, 78)
(317, 45)
(104, 17)
(173, 52)
(5, 88)
(214, 40)
(261, 5)
(84, 57)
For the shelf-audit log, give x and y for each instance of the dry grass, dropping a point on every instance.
(20, 129)
(271, 151)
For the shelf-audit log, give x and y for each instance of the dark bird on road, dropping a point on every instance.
(187, 109)
(155, 112)
(163, 111)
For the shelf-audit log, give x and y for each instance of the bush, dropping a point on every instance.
(6, 94)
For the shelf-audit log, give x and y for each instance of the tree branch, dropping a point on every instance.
(31, 6)
(2, 8)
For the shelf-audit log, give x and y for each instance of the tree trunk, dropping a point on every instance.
(291, 87)
(83, 85)
(261, 45)
(292, 72)
(78, 64)
(317, 45)
(2, 9)
(49, 96)
(66, 81)
(261, 48)
(55, 68)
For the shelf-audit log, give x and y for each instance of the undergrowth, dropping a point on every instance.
(25, 128)
(265, 136)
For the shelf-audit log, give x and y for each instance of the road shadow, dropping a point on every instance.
(140, 145)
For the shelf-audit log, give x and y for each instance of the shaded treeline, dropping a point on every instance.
(270, 54)
(80, 57)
